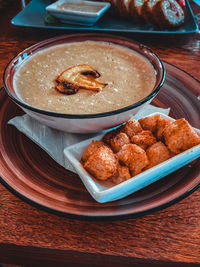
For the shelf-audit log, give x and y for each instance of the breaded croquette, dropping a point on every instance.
(94, 145)
(180, 136)
(161, 124)
(150, 123)
(102, 163)
(122, 174)
(156, 154)
(144, 139)
(109, 135)
(131, 128)
(134, 157)
(118, 141)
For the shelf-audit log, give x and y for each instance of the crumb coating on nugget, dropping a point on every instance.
(122, 174)
(144, 139)
(94, 145)
(118, 141)
(156, 154)
(161, 124)
(131, 128)
(102, 163)
(149, 123)
(109, 135)
(180, 136)
(134, 157)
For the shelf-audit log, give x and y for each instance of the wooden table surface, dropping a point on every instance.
(32, 237)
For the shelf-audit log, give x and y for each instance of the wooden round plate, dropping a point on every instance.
(31, 174)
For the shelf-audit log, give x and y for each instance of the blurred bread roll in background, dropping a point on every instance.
(160, 13)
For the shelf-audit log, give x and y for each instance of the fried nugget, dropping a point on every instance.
(156, 154)
(144, 139)
(118, 141)
(94, 145)
(102, 163)
(109, 135)
(134, 157)
(180, 136)
(122, 174)
(161, 124)
(131, 128)
(150, 123)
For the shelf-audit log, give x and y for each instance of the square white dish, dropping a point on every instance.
(77, 15)
(105, 192)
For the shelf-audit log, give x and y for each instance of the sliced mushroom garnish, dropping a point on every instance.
(79, 77)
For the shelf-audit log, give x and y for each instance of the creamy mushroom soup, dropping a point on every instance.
(128, 76)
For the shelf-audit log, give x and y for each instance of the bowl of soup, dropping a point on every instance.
(84, 83)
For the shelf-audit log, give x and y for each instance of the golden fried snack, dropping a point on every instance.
(122, 174)
(149, 123)
(109, 135)
(134, 157)
(118, 141)
(144, 139)
(94, 145)
(131, 128)
(161, 124)
(180, 136)
(156, 154)
(102, 163)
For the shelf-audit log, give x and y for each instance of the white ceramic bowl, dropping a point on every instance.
(104, 192)
(88, 122)
(80, 16)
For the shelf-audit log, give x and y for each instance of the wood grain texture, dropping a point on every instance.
(30, 236)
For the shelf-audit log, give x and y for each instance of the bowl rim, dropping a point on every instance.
(86, 37)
